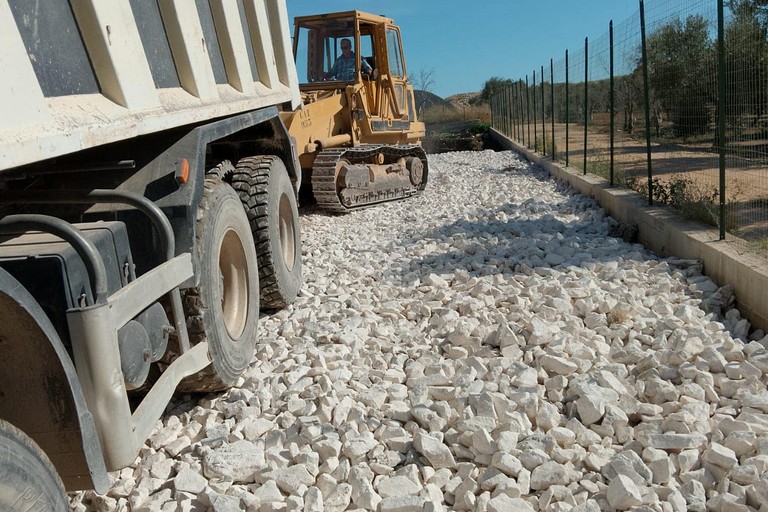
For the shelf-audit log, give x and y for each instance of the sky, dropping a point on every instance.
(465, 43)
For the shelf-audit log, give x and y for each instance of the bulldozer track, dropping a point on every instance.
(324, 176)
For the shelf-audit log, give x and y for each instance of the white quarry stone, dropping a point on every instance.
(629, 464)
(482, 442)
(338, 500)
(660, 465)
(225, 503)
(504, 503)
(358, 447)
(557, 365)
(548, 474)
(485, 346)
(153, 502)
(694, 495)
(364, 496)
(671, 441)
(720, 456)
(313, 500)
(623, 493)
(238, 462)
(290, 479)
(402, 504)
(397, 486)
(188, 480)
(267, 492)
(438, 454)
(591, 405)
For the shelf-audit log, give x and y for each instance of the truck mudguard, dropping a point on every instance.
(41, 394)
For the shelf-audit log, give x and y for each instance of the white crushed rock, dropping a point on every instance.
(484, 347)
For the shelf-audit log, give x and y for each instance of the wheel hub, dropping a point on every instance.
(415, 170)
(287, 230)
(233, 270)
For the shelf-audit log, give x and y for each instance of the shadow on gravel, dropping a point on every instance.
(491, 244)
(495, 244)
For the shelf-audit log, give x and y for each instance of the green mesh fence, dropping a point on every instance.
(696, 138)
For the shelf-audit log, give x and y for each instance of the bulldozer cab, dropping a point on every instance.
(373, 78)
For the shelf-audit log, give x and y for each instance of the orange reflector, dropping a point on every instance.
(182, 173)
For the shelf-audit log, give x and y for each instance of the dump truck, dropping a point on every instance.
(357, 134)
(148, 212)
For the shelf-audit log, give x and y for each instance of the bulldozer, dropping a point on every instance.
(357, 134)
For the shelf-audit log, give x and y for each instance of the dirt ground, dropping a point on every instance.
(746, 179)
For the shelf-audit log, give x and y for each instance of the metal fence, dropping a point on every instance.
(672, 102)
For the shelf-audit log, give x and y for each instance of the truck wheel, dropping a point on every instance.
(28, 480)
(265, 188)
(224, 308)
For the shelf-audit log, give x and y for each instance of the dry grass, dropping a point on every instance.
(436, 115)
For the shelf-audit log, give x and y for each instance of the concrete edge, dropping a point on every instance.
(665, 233)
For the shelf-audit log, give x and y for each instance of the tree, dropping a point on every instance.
(751, 9)
(493, 86)
(629, 97)
(425, 80)
(747, 57)
(680, 59)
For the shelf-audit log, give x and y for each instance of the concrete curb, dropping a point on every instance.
(661, 230)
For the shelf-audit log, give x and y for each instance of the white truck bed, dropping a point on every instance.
(101, 71)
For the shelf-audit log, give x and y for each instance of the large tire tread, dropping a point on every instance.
(211, 378)
(26, 472)
(251, 181)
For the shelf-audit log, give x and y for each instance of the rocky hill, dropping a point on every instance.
(425, 100)
(462, 99)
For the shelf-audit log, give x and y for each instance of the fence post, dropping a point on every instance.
(586, 98)
(520, 129)
(543, 116)
(535, 125)
(552, 100)
(612, 100)
(513, 106)
(493, 109)
(502, 113)
(517, 111)
(502, 124)
(567, 108)
(721, 102)
(522, 118)
(511, 103)
(518, 108)
(528, 109)
(512, 110)
(647, 103)
(506, 111)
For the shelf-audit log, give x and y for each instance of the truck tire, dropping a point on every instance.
(224, 308)
(28, 480)
(263, 185)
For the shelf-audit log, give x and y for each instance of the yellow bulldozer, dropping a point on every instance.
(357, 135)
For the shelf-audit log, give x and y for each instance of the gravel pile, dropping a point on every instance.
(485, 347)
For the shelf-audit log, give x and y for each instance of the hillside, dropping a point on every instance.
(426, 100)
(462, 99)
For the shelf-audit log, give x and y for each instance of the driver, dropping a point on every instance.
(344, 67)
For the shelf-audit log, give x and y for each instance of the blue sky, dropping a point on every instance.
(466, 43)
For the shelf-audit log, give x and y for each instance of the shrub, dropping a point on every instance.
(435, 115)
